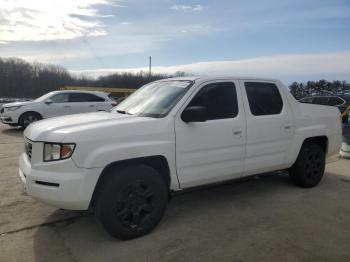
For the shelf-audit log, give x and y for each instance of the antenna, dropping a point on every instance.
(150, 66)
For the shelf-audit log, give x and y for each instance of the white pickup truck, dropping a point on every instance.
(172, 135)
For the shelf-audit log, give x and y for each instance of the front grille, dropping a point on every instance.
(28, 149)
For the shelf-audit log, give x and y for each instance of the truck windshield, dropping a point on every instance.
(155, 99)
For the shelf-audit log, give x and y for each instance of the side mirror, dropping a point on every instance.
(48, 101)
(194, 114)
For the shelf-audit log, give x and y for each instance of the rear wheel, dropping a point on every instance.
(132, 201)
(309, 167)
(27, 118)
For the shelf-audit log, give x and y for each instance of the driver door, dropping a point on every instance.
(213, 150)
(57, 105)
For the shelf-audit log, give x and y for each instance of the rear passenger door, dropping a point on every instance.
(83, 102)
(270, 126)
(213, 150)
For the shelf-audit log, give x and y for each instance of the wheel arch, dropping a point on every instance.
(321, 141)
(158, 162)
(28, 112)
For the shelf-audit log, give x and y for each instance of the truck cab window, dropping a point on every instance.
(220, 100)
(264, 98)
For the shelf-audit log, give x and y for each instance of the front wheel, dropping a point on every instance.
(27, 118)
(309, 167)
(132, 201)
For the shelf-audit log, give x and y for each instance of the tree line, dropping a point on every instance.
(321, 87)
(21, 79)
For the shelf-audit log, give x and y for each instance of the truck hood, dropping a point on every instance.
(56, 129)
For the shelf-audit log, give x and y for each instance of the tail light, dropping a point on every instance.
(114, 104)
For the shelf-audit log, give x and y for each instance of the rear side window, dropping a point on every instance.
(320, 100)
(335, 101)
(263, 98)
(220, 100)
(307, 100)
(84, 97)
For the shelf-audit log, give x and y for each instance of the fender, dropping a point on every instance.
(131, 143)
(301, 135)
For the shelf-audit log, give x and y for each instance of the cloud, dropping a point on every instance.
(38, 20)
(187, 8)
(286, 67)
(125, 38)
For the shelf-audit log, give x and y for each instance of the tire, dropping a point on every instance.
(309, 167)
(27, 118)
(131, 202)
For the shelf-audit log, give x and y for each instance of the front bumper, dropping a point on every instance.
(10, 117)
(6, 120)
(60, 183)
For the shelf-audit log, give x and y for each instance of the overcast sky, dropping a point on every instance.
(289, 39)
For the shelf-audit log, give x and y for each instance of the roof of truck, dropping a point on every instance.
(210, 78)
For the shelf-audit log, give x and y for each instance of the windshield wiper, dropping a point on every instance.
(123, 112)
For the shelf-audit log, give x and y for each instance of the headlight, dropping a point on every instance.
(54, 152)
(12, 108)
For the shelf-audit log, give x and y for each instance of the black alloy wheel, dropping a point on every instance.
(309, 167)
(135, 205)
(131, 201)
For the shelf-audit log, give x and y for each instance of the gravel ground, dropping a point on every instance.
(258, 219)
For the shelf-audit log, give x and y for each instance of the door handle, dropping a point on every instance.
(91, 106)
(238, 132)
(66, 106)
(287, 127)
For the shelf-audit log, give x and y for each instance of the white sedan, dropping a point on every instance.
(54, 104)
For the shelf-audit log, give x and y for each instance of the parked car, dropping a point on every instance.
(345, 148)
(54, 104)
(172, 135)
(342, 102)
